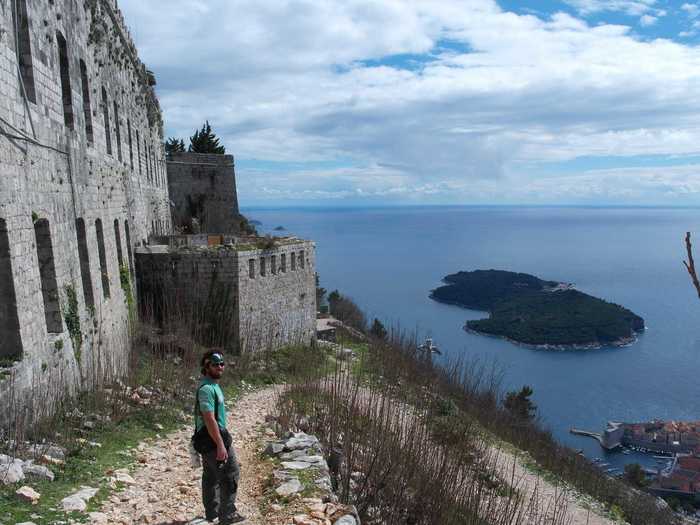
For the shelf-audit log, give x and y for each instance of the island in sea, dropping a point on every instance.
(528, 310)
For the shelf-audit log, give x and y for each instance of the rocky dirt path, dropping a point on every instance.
(166, 488)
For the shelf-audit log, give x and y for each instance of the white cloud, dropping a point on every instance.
(630, 7)
(647, 20)
(288, 81)
(691, 9)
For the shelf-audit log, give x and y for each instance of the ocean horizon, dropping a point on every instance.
(389, 258)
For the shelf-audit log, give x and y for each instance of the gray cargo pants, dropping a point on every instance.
(219, 486)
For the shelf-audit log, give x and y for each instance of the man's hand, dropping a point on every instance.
(221, 453)
(213, 429)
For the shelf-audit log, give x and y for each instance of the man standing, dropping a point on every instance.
(220, 467)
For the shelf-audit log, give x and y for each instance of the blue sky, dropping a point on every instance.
(440, 102)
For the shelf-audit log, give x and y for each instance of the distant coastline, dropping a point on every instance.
(528, 311)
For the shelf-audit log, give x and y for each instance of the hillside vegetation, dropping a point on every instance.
(529, 310)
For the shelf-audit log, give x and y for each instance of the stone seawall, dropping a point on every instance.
(83, 182)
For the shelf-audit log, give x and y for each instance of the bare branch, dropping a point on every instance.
(690, 264)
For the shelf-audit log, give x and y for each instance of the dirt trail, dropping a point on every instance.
(167, 487)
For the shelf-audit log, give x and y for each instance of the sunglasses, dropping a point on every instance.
(219, 365)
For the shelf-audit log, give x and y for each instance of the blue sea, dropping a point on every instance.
(388, 260)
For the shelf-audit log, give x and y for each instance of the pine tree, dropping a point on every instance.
(206, 141)
(519, 404)
(378, 330)
(174, 145)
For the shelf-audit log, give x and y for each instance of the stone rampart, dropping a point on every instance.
(277, 295)
(83, 182)
(203, 187)
(237, 297)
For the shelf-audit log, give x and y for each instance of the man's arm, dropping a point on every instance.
(213, 429)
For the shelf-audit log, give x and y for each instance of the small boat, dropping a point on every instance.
(626, 452)
(428, 346)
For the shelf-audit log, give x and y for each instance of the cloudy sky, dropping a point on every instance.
(436, 101)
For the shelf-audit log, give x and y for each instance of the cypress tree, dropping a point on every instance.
(174, 145)
(206, 141)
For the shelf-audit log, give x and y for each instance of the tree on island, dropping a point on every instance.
(377, 330)
(174, 145)
(206, 141)
(519, 404)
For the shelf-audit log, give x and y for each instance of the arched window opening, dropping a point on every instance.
(131, 146)
(118, 242)
(105, 114)
(87, 109)
(47, 272)
(302, 262)
(66, 92)
(24, 47)
(273, 264)
(129, 248)
(11, 347)
(103, 258)
(148, 164)
(117, 131)
(251, 268)
(84, 256)
(138, 153)
(283, 263)
(262, 266)
(294, 261)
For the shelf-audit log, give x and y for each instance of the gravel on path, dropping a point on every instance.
(167, 488)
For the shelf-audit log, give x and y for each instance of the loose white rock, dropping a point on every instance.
(11, 473)
(28, 494)
(78, 501)
(123, 476)
(37, 471)
(290, 487)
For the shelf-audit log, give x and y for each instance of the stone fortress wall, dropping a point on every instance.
(201, 186)
(225, 288)
(233, 296)
(83, 181)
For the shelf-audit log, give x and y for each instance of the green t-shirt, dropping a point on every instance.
(208, 395)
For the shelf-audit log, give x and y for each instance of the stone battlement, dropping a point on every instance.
(253, 298)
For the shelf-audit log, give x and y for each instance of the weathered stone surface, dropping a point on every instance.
(295, 465)
(273, 449)
(52, 451)
(289, 487)
(28, 494)
(300, 440)
(123, 476)
(79, 500)
(37, 471)
(11, 472)
(346, 520)
(102, 158)
(271, 295)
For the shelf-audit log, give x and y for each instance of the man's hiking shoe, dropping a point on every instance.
(200, 521)
(236, 518)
